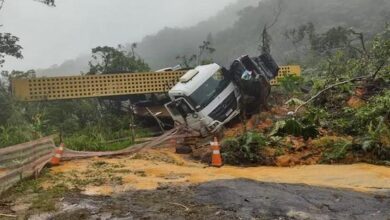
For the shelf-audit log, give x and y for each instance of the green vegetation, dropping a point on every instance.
(41, 199)
(89, 124)
(347, 117)
(344, 54)
(244, 149)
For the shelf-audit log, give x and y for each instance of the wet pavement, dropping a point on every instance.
(227, 199)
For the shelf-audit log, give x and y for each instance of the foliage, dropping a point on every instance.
(9, 43)
(337, 151)
(94, 142)
(378, 107)
(294, 127)
(237, 29)
(291, 83)
(377, 140)
(83, 124)
(108, 60)
(11, 135)
(9, 47)
(335, 148)
(185, 61)
(205, 49)
(342, 66)
(243, 149)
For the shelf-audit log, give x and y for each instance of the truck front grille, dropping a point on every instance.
(222, 111)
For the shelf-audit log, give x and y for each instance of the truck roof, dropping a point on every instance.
(187, 88)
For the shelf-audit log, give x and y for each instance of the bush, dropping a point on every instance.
(244, 149)
(11, 135)
(337, 151)
(294, 127)
(100, 139)
(291, 83)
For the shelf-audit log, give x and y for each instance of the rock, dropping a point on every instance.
(183, 150)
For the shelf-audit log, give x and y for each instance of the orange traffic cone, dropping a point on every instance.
(55, 160)
(61, 148)
(216, 159)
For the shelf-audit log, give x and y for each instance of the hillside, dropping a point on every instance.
(236, 30)
(243, 37)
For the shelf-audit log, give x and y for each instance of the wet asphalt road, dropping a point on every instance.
(227, 199)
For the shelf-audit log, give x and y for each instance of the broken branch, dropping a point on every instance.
(181, 205)
(330, 87)
(8, 215)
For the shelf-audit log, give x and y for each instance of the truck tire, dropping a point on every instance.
(183, 150)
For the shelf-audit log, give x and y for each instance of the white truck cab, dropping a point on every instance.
(204, 99)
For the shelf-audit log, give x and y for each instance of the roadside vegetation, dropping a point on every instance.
(90, 124)
(337, 111)
(346, 117)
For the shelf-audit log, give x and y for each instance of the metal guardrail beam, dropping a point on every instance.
(91, 86)
(284, 71)
(24, 160)
(74, 87)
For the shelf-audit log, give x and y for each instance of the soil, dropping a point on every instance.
(292, 151)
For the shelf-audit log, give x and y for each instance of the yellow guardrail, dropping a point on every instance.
(89, 86)
(284, 71)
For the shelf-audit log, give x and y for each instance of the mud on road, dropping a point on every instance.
(158, 184)
(226, 199)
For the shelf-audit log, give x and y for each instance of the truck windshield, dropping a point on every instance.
(209, 90)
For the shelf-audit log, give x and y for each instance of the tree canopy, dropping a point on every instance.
(106, 60)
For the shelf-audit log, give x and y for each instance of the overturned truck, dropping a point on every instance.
(209, 96)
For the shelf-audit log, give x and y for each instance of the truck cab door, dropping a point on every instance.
(183, 113)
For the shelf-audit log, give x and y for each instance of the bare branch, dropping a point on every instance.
(330, 87)
(266, 39)
(279, 11)
(47, 2)
(360, 36)
(1, 4)
(181, 205)
(372, 76)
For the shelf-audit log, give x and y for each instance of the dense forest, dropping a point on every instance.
(243, 37)
(237, 29)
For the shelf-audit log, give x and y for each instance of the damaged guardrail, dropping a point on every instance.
(24, 160)
(28, 159)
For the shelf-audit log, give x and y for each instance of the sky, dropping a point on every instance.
(51, 35)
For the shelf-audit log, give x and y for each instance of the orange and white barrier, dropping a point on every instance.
(56, 159)
(216, 159)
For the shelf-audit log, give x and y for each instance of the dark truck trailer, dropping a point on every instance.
(252, 76)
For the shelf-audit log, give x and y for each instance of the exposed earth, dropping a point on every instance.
(159, 184)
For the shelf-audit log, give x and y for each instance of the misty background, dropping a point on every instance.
(58, 41)
(51, 35)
